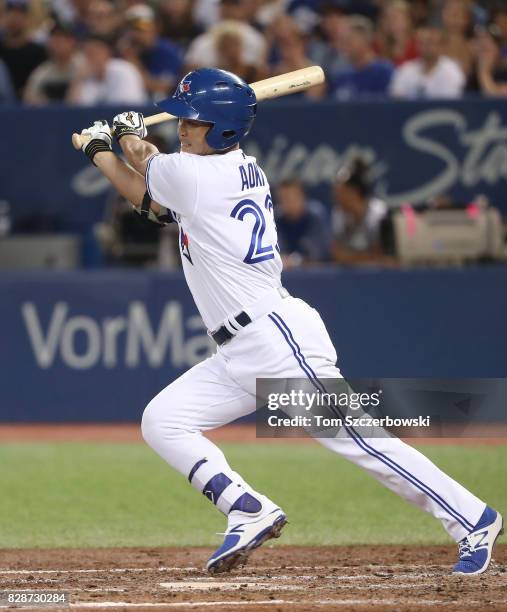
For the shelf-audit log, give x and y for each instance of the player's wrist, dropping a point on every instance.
(95, 148)
(101, 155)
(127, 134)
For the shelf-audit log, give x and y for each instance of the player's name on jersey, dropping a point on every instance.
(319, 420)
(251, 176)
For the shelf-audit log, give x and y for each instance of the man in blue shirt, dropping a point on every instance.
(304, 233)
(159, 59)
(367, 76)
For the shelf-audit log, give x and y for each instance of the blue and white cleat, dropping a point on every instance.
(242, 539)
(475, 549)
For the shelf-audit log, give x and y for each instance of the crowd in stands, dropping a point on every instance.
(87, 52)
(348, 234)
(125, 51)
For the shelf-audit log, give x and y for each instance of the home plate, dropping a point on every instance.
(221, 586)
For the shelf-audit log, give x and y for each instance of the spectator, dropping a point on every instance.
(103, 79)
(304, 13)
(289, 44)
(420, 11)
(396, 40)
(239, 10)
(72, 12)
(125, 5)
(6, 90)
(206, 13)
(304, 236)
(281, 28)
(203, 53)
(66, 11)
(177, 22)
(293, 56)
(103, 19)
(432, 75)
(327, 50)
(20, 54)
(368, 76)
(268, 11)
(50, 81)
(39, 21)
(357, 219)
(229, 47)
(499, 20)
(491, 70)
(458, 30)
(158, 59)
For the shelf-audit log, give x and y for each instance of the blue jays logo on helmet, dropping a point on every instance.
(217, 97)
(184, 87)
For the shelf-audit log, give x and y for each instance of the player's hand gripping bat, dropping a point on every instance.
(274, 87)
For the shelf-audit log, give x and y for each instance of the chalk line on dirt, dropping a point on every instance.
(264, 568)
(269, 602)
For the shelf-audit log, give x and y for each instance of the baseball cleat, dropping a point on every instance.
(241, 540)
(475, 549)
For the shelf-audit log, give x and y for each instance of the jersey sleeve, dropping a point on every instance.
(171, 181)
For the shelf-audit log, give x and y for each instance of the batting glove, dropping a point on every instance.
(100, 139)
(130, 123)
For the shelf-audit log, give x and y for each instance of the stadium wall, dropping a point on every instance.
(418, 150)
(97, 345)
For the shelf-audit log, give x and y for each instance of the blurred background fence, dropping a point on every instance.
(416, 151)
(97, 345)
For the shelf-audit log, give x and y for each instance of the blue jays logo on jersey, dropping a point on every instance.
(185, 252)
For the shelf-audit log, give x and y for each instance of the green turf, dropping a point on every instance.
(124, 495)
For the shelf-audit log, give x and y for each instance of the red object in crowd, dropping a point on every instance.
(410, 52)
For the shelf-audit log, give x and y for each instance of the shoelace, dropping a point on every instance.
(465, 548)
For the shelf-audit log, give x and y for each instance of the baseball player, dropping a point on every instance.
(220, 199)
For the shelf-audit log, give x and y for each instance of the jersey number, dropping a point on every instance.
(256, 252)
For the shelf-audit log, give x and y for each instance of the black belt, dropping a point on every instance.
(222, 334)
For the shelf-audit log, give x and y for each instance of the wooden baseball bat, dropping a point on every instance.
(274, 87)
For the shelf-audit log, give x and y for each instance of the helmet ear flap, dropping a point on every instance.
(227, 138)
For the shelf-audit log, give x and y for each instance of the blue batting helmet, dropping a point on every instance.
(217, 97)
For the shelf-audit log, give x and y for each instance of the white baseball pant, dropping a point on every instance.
(290, 341)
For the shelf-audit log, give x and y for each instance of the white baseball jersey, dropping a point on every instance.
(228, 240)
